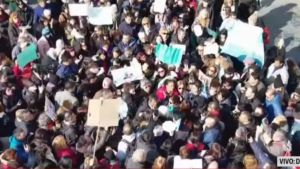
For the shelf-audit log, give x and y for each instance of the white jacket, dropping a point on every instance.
(283, 72)
(123, 146)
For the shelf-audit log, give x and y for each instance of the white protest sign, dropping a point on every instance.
(159, 6)
(187, 163)
(211, 48)
(101, 113)
(50, 109)
(127, 74)
(100, 15)
(78, 9)
(245, 41)
(181, 47)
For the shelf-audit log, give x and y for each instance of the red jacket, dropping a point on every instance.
(162, 94)
(195, 148)
(26, 73)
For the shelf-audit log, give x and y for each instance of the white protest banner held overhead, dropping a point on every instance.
(100, 15)
(187, 163)
(159, 6)
(127, 74)
(78, 9)
(245, 41)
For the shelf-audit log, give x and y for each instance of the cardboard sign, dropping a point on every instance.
(171, 55)
(127, 74)
(104, 112)
(159, 6)
(100, 15)
(187, 163)
(245, 41)
(78, 9)
(28, 55)
(50, 109)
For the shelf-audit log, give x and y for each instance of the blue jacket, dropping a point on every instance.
(211, 136)
(66, 71)
(38, 13)
(261, 156)
(273, 107)
(18, 145)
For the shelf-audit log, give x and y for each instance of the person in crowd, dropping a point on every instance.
(14, 28)
(194, 102)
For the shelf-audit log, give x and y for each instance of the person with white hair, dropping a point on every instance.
(137, 160)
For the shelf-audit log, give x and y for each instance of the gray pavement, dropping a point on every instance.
(283, 16)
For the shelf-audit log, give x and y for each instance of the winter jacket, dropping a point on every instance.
(123, 146)
(38, 13)
(128, 29)
(43, 46)
(211, 135)
(295, 138)
(18, 145)
(70, 134)
(162, 94)
(283, 72)
(65, 72)
(274, 107)
(132, 44)
(261, 156)
(26, 16)
(13, 33)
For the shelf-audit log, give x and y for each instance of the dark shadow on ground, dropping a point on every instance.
(274, 22)
(266, 3)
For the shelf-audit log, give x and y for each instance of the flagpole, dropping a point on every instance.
(96, 140)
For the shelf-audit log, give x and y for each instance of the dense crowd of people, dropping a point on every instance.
(213, 107)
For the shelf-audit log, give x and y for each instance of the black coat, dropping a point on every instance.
(13, 33)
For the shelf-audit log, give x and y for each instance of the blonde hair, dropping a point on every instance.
(250, 162)
(13, 16)
(59, 143)
(159, 163)
(139, 155)
(203, 18)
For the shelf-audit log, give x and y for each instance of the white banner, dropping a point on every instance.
(128, 74)
(78, 9)
(100, 15)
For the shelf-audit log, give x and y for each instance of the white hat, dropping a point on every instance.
(163, 110)
(169, 127)
(198, 30)
(47, 12)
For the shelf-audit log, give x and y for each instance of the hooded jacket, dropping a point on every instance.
(18, 145)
